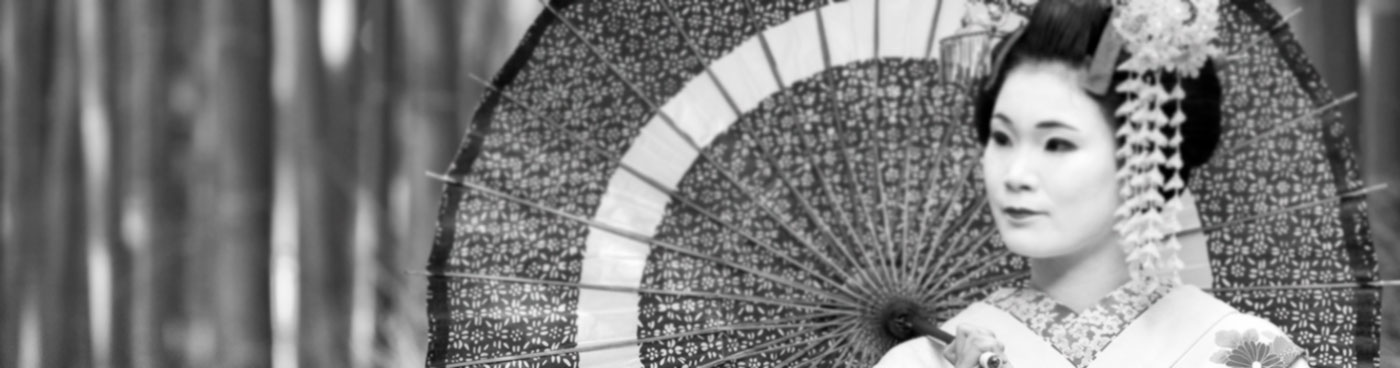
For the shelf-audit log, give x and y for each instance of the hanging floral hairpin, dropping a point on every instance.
(1160, 37)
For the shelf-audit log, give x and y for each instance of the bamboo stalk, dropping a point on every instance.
(372, 143)
(61, 336)
(299, 225)
(232, 187)
(328, 184)
(142, 85)
(96, 133)
(24, 69)
(423, 49)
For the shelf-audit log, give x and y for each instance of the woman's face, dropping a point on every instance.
(1049, 164)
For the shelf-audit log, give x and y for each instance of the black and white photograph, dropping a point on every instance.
(699, 183)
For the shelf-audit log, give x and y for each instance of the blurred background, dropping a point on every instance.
(240, 183)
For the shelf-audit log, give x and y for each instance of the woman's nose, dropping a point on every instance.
(1019, 176)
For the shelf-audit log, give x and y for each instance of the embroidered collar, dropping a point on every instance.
(1078, 336)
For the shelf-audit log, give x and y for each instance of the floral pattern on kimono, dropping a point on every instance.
(1078, 336)
(1251, 348)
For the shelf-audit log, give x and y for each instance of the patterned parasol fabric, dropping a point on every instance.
(1281, 148)
(772, 183)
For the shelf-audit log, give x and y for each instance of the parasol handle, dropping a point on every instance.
(923, 327)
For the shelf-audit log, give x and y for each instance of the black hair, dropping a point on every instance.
(1068, 31)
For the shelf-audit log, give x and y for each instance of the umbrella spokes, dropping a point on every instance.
(777, 325)
(811, 214)
(844, 299)
(820, 306)
(1295, 122)
(691, 203)
(1354, 195)
(808, 335)
(904, 319)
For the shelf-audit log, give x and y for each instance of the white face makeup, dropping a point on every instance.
(1049, 165)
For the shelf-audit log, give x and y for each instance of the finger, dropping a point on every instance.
(991, 344)
(976, 353)
(986, 343)
(975, 332)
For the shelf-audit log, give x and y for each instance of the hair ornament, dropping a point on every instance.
(1103, 64)
(985, 24)
(1161, 37)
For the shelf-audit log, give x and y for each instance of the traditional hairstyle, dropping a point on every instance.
(1068, 31)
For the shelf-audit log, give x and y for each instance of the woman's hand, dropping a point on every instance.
(971, 344)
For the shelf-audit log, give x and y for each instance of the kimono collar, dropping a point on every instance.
(1079, 336)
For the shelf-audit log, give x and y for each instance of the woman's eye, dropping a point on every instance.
(1059, 145)
(1000, 139)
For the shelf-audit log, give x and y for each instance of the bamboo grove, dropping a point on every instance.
(196, 183)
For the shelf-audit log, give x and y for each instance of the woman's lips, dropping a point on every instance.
(1018, 213)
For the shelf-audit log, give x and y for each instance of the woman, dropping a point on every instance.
(1055, 149)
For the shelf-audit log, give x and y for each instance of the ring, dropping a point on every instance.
(989, 360)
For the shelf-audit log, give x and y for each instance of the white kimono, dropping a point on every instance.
(1178, 327)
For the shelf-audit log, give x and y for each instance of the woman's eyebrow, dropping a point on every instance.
(1054, 124)
(1002, 117)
